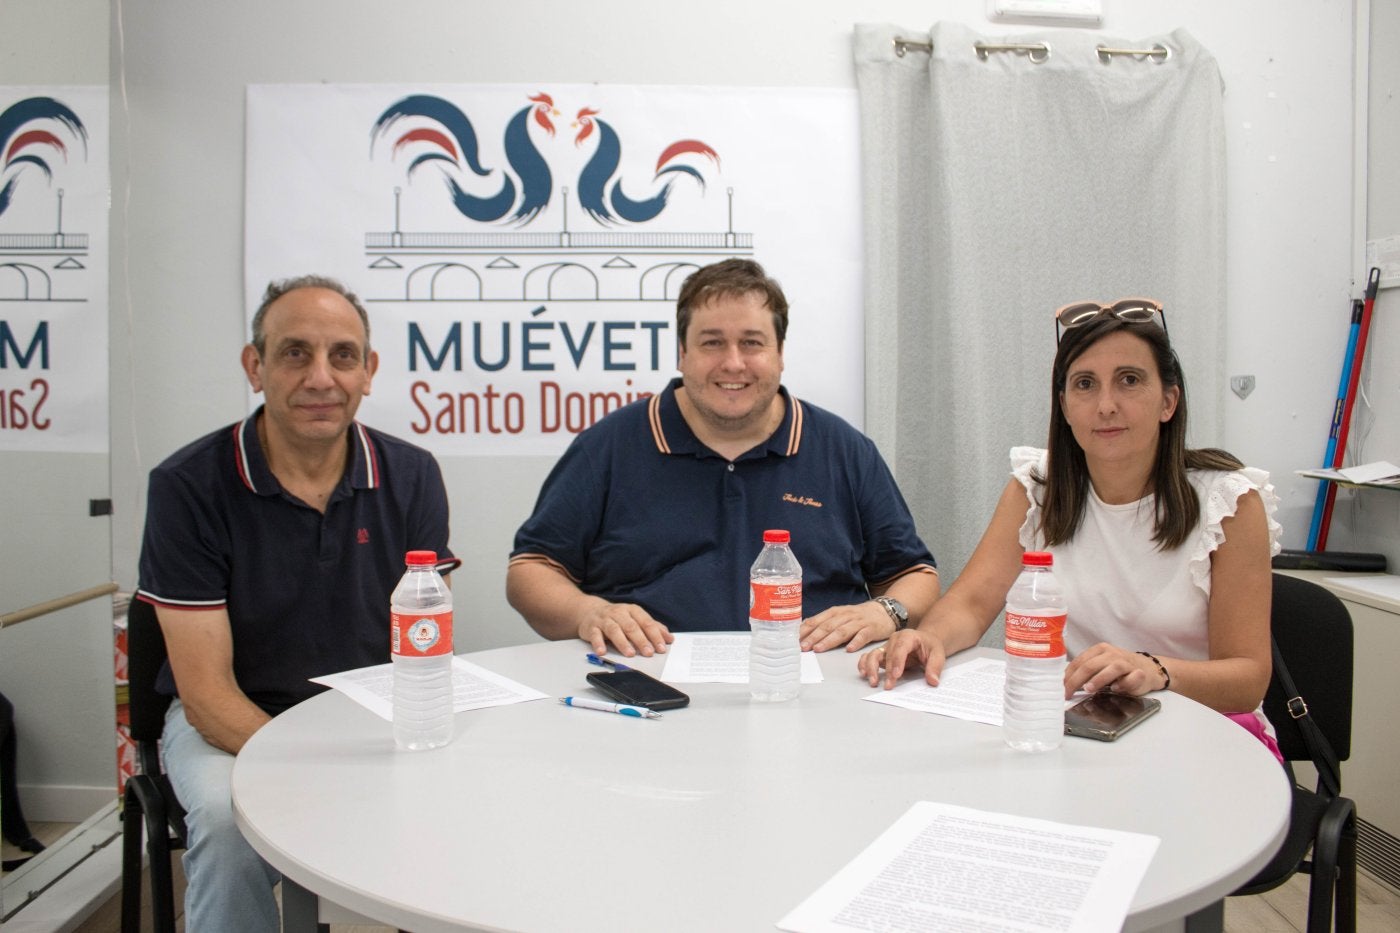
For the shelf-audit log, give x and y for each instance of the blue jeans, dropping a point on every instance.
(229, 886)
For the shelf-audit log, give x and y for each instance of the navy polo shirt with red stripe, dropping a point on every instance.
(307, 593)
(638, 510)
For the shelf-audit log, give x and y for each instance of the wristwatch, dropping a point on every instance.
(898, 614)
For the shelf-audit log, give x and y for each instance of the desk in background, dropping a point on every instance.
(1370, 776)
(721, 816)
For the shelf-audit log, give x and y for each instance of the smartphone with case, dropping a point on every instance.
(1106, 716)
(635, 688)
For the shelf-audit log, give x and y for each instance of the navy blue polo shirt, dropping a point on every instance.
(307, 593)
(638, 510)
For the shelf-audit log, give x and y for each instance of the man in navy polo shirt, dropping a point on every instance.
(270, 552)
(649, 522)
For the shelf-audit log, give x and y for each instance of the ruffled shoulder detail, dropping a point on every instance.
(1220, 493)
(1024, 462)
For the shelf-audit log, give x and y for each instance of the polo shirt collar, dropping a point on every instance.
(252, 466)
(672, 435)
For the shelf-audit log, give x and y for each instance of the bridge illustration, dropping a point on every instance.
(556, 265)
(28, 261)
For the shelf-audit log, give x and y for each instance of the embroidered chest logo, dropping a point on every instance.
(362, 536)
(801, 500)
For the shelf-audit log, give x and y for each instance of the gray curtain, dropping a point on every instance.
(997, 189)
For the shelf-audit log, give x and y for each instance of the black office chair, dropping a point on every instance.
(1309, 704)
(150, 805)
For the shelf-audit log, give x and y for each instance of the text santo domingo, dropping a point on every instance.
(589, 356)
(491, 411)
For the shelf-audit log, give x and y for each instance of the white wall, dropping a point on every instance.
(1288, 73)
(1287, 67)
(1369, 520)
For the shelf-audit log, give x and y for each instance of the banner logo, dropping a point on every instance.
(446, 139)
(520, 248)
(53, 348)
(32, 139)
(510, 366)
(27, 138)
(597, 186)
(449, 140)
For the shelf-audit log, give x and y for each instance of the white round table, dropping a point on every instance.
(724, 815)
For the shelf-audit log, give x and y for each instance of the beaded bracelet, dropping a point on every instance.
(1161, 667)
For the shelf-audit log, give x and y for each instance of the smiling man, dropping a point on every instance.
(270, 552)
(649, 522)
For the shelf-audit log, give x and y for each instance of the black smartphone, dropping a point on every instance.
(638, 689)
(1106, 716)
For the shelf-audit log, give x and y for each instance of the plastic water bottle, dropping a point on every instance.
(420, 613)
(775, 616)
(1034, 705)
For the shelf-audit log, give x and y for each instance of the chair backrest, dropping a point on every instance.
(1313, 632)
(145, 648)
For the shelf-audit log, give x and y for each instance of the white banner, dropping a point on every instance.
(53, 269)
(520, 248)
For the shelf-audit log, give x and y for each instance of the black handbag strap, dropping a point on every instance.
(1329, 770)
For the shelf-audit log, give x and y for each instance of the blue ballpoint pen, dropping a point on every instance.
(639, 712)
(606, 662)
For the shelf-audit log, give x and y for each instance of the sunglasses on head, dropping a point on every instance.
(1129, 310)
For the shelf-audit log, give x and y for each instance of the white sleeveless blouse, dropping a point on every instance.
(1119, 586)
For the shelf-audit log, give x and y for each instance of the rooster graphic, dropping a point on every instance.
(597, 189)
(454, 142)
(25, 141)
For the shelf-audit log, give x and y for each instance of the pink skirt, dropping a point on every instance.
(1254, 727)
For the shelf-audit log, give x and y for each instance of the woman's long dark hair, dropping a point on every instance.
(1066, 483)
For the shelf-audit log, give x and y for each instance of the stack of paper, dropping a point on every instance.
(1380, 473)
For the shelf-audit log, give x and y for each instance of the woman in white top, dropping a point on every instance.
(1163, 551)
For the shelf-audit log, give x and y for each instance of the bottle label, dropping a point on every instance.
(420, 636)
(1035, 636)
(780, 602)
